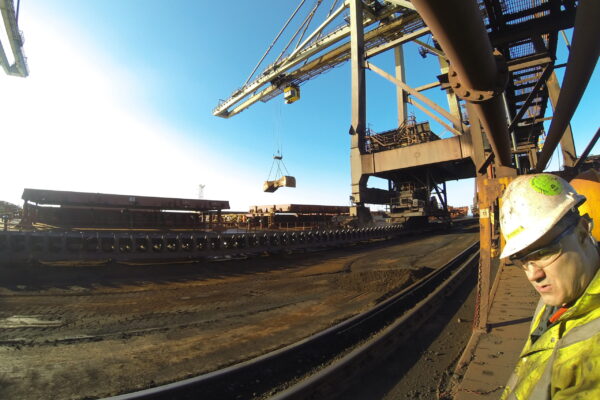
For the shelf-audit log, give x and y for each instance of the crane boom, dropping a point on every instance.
(320, 54)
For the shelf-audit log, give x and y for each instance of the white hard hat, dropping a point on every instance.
(531, 206)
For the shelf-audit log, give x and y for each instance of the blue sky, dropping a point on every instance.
(120, 95)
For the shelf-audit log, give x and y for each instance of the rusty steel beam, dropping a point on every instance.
(587, 150)
(567, 144)
(435, 117)
(81, 199)
(358, 102)
(585, 49)
(419, 96)
(459, 29)
(531, 96)
(450, 150)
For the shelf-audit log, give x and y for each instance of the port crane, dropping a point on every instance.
(497, 61)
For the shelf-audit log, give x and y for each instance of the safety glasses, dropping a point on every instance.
(544, 256)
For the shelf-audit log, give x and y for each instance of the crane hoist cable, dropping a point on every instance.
(320, 32)
(274, 41)
(307, 21)
(303, 27)
(282, 177)
(278, 162)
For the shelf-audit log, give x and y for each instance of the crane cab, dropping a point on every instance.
(291, 93)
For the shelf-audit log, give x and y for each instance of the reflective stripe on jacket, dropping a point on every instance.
(564, 363)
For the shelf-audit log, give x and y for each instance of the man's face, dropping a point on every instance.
(566, 278)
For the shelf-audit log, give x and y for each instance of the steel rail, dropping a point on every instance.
(377, 329)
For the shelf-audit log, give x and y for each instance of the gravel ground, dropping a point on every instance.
(88, 332)
(422, 369)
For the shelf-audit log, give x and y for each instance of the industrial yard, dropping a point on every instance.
(100, 331)
(143, 255)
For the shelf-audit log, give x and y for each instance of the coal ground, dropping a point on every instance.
(79, 332)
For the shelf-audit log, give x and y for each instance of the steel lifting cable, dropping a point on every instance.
(278, 129)
(278, 160)
(328, 14)
(309, 18)
(321, 32)
(278, 156)
(303, 27)
(287, 46)
(274, 41)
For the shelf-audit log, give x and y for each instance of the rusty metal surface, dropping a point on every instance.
(422, 154)
(67, 198)
(407, 134)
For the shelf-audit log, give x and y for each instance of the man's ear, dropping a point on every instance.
(584, 228)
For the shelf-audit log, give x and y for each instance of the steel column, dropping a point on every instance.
(583, 56)
(567, 145)
(485, 255)
(418, 95)
(459, 28)
(453, 104)
(358, 105)
(476, 135)
(400, 75)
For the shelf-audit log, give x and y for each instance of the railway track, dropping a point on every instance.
(318, 366)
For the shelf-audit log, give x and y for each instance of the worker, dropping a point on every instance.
(547, 237)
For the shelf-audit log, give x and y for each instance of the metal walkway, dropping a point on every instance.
(493, 355)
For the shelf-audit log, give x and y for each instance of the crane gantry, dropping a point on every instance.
(497, 62)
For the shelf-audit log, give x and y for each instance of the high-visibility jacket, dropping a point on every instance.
(564, 362)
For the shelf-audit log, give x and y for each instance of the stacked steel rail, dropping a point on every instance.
(69, 210)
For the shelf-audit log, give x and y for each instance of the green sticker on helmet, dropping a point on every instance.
(546, 184)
